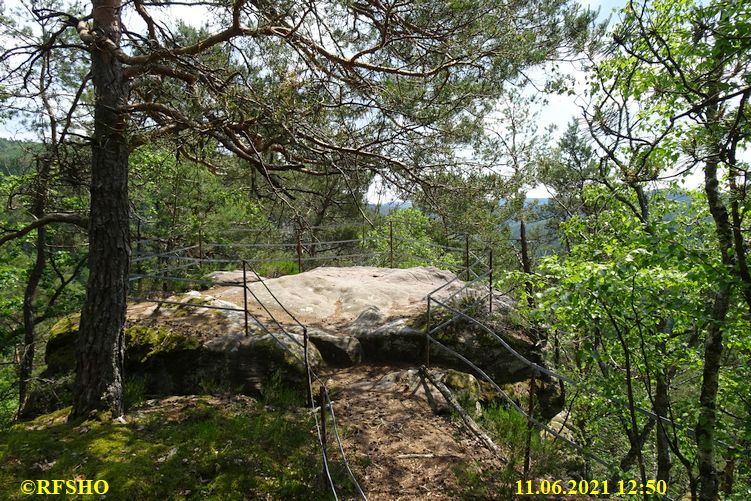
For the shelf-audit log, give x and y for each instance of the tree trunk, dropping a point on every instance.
(713, 347)
(38, 209)
(526, 261)
(99, 355)
(29, 339)
(661, 408)
(637, 441)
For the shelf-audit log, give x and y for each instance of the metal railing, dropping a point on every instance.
(169, 264)
(326, 406)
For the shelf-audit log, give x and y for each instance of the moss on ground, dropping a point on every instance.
(178, 448)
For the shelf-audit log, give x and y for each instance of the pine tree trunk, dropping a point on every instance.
(99, 356)
(41, 194)
(526, 261)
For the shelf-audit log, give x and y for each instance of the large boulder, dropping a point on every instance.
(353, 315)
(332, 298)
(336, 350)
(246, 363)
(183, 348)
(485, 351)
(403, 340)
(378, 315)
(387, 340)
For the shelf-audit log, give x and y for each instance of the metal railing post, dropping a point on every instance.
(427, 336)
(466, 255)
(299, 250)
(391, 243)
(490, 280)
(362, 243)
(139, 251)
(530, 411)
(322, 396)
(245, 296)
(309, 390)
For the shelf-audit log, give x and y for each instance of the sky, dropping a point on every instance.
(559, 110)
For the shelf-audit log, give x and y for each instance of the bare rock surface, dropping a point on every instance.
(353, 315)
(330, 298)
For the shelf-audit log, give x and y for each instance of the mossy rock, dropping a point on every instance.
(462, 383)
(48, 395)
(166, 362)
(549, 399)
(60, 354)
(143, 345)
(246, 364)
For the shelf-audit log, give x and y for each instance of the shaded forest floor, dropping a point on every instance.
(176, 448)
(404, 451)
(238, 448)
(401, 450)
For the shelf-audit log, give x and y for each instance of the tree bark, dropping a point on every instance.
(35, 276)
(637, 441)
(526, 261)
(713, 346)
(99, 355)
(661, 408)
(38, 209)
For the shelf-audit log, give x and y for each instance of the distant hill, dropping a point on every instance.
(387, 207)
(16, 157)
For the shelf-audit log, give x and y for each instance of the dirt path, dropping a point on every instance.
(399, 448)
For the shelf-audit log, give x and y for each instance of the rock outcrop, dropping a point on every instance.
(197, 340)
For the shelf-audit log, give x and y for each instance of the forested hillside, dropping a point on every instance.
(291, 250)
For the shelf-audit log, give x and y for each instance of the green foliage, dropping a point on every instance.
(642, 292)
(8, 395)
(277, 269)
(509, 429)
(16, 157)
(134, 390)
(277, 393)
(408, 231)
(181, 198)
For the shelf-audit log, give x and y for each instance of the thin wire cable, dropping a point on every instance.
(341, 447)
(189, 305)
(324, 456)
(505, 396)
(273, 318)
(593, 391)
(142, 257)
(263, 282)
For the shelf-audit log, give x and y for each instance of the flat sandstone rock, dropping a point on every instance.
(334, 297)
